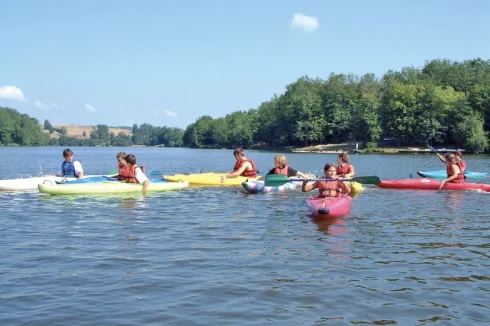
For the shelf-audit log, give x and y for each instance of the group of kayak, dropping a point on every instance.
(336, 187)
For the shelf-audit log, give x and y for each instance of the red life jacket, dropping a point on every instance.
(328, 189)
(127, 174)
(283, 171)
(460, 178)
(343, 170)
(252, 173)
(462, 166)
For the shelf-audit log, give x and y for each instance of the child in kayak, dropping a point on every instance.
(332, 186)
(459, 160)
(344, 168)
(281, 167)
(454, 172)
(133, 173)
(71, 168)
(243, 167)
(122, 165)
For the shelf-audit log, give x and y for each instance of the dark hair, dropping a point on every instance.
(328, 166)
(67, 152)
(121, 155)
(239, 152)
(130, 159)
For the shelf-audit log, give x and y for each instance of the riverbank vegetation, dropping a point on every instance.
(445, 103)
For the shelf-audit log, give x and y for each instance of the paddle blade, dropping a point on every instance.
(275, 180)
(156, 172)
(368, 180)
(432, 148)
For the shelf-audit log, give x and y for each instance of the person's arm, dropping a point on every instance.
(455, 170)
(145, 185)
(305, 187)
(238, 172)
(295, 173)
(78, 169)
(351, 172)
(345, 187)
(443, 160)
(142, 179)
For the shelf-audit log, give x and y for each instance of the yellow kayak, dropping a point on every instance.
(207, 179)
(355, 188)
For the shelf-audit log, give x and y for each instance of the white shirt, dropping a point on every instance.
(139, 175)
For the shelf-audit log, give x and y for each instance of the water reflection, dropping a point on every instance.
(330, 226)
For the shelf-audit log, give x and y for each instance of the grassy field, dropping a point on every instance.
(77, 131)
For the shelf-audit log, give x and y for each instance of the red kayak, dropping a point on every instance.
(329, 206)
(430, 184)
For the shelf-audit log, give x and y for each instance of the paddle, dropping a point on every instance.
(432, 148)
(275, 180)
(435, 151)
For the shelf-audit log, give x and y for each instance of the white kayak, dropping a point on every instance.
(108, 187)
(31, 183)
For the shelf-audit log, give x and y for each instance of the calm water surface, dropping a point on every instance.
(218, 256)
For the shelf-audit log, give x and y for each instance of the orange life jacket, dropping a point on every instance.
(328, 189)
(252, 173)
(283, 171)
(127, 174)
(460, 178)
(343, 170)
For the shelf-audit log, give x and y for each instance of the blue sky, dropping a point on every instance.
(168, 62)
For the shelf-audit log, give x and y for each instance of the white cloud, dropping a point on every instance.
(307, 23)
(90, 108)
(170, 113)
(12, 93)
(54, 105)
(40, 105)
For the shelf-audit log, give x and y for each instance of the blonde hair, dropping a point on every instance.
(451, 157)
(281, 160)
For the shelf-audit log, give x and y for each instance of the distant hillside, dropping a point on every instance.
(77, 131)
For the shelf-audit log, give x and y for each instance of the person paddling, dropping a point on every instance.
(71, 168)
(332, 186)
(344, 168)
(281, 167)
(459, 159)
(243, 167)
(454, 172)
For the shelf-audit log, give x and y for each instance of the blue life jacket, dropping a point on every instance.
(68, 169)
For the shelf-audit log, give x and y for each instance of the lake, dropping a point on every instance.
(218, 256)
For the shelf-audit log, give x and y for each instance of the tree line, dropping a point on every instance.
(445, 103)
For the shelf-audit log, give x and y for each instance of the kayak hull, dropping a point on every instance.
(108, 187)
(442, 174)
(431, 184)
(255, 187)
(207, 179)
(329, 206)
(31, 183)
(89, 179)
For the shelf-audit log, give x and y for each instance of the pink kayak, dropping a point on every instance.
(329, 206)
(430, 184)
